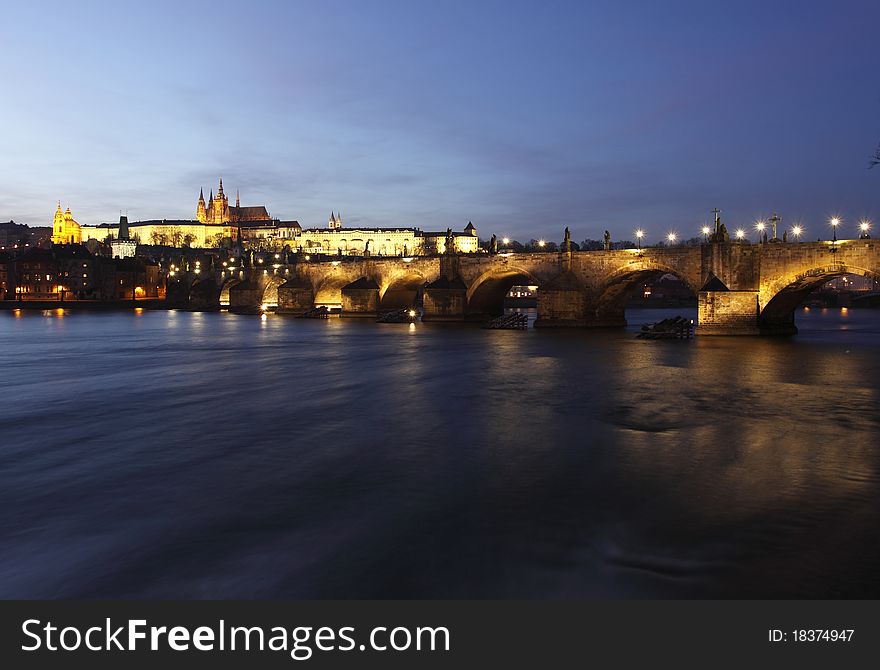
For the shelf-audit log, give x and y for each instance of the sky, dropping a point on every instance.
(523, 117)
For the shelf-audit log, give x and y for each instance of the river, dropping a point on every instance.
(188, 455)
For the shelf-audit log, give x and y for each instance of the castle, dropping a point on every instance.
(217, 210)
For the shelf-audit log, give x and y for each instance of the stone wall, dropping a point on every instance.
(360, 298)
(728, 313)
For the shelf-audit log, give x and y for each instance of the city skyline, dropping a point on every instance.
(408, 115)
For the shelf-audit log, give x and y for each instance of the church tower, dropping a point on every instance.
(65, 230)
(201, 210)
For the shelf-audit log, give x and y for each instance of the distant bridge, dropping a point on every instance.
(742, 288)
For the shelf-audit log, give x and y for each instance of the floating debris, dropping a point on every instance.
(517, 321)
(321, 312)
(676, 328)
(405, 315)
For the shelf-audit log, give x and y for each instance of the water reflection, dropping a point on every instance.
(212, 455)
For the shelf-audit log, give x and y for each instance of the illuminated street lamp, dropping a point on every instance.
(740, 234)
(760, 226)
(672, 237)
(864, 228)
(542, 243)
(639, 235)
(796, 231)
(835, 221)
(706, 230)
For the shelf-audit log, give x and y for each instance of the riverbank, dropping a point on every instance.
(90, 305)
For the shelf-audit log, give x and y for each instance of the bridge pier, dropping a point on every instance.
(728, 313)
(444, 300)
(204, 296)
(561, 303)
(295, 296)
(360, 298)
(246, 297)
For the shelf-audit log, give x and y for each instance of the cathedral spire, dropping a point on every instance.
(201, 195)
(220, 190)
(237, 200)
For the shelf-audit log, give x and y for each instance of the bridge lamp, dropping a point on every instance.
(706, 230)
(865, 227)
(639, 235)
(506, 240)
(760, 226)
(796, 231)
(671, 237)
(542, 243)
(834, 223)
(740, 234)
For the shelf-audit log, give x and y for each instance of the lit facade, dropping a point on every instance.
(218, 211)
(64, 229)
(381, 241)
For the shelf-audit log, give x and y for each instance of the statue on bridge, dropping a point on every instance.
(607, 241)
(450, 241)
(493, 244)
(566, 241)
(720, 234)
(366, 248)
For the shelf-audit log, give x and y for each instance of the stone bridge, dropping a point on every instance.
(742, 288)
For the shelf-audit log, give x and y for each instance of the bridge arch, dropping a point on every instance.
(224, 290)
(486, 293)
(270, 292)
(779, 299)
(609, 304)
(329, 290)
(400, 289)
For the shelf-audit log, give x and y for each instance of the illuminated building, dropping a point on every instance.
(5, 268)
(123, 246)
(64, 229)
(217, 210)
(381, 241)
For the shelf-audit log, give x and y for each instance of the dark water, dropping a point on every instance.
(169, 454)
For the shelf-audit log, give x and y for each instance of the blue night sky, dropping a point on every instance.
(524, 117)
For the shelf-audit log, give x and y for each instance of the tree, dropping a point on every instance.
(155, 237)
(875, 159)
(176, 236)
(188, 239)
